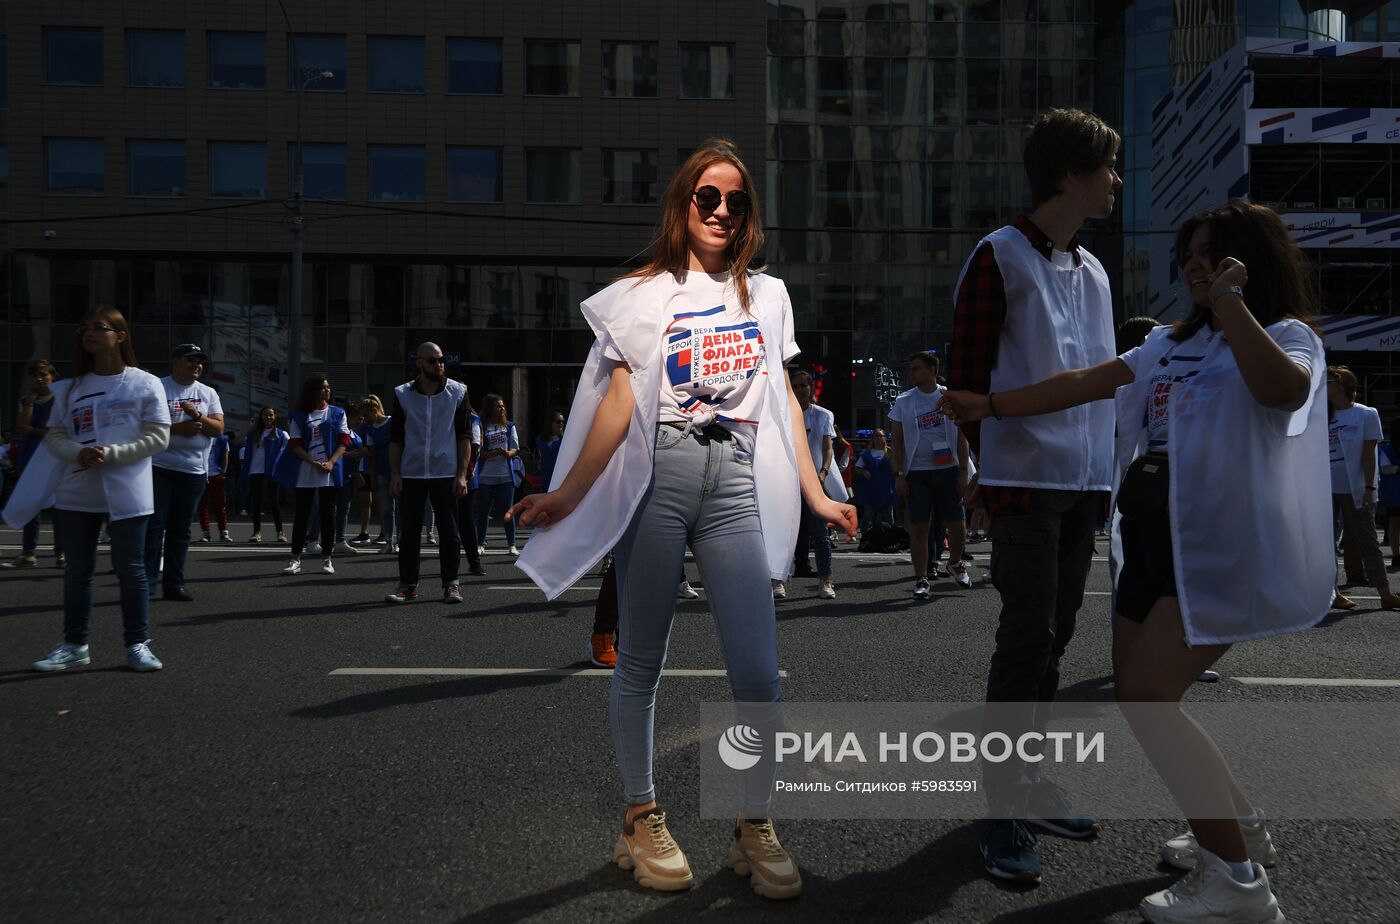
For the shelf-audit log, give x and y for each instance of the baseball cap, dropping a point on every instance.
(189, 349)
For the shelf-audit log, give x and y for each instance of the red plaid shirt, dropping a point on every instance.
(978, 318)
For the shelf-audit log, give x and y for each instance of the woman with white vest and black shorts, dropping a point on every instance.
(109, 419)
(684, 430)
(1244, 369)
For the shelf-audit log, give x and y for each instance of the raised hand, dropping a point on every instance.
(966, 406)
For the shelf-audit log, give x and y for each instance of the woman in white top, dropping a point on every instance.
(1245, 369)
(684, 431)
(110, 418)
(500, 447)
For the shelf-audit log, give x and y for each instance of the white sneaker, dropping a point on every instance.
(293, 567)
(826, 590)
(921, 588)
(961, 577)
(205, 538)
(779, 590)
(225, 537)
(1183, 852)
(327, 567)
(312, 548)
(686, 592)
(1210, 894)
(514, 551)
(344, 548)
(480, 549)
(389, 548)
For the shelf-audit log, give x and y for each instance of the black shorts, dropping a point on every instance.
(933, 495)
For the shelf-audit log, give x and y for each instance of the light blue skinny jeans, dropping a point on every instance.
(702, 493)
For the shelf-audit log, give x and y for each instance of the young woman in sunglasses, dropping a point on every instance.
(684, 431)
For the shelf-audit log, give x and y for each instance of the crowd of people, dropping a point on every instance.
(691, 430)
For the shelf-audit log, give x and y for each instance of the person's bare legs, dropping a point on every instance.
(957, 539)
(1152, 664)
(918, 546)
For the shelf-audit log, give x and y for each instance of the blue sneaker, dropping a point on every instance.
(139, 657)
(1008, 851)
(63, 657)
(1050, 810)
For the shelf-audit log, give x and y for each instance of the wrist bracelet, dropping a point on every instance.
(1232, 290)
(992, 407)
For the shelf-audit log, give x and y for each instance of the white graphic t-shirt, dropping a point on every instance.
(820, 423)
(1356, 425)
(925, 423)
(187, 453)
(309, 476)
(109, 410)
(712, 353)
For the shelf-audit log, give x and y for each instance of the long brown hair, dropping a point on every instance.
(309, 396)
(486, 403)
(670, 249)
(1279, 284)
(83, 361)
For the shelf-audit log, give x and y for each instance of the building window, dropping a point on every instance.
(552, 68)
(74, 165)
(156, 168)
(155, 59)
(237, 170)
(238, 60)
(707, 71)
(311, 56)
(398, 172)
(474, 66)
(629, 177)
(552, 175)
(73, 57)
(474, 174)
(396, 65)
(629, 69)
(4, 72)
(322, 171)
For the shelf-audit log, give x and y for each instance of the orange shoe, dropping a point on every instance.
(1340, 602)
(601, 651)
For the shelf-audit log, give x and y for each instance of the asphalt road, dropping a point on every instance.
(246, 782)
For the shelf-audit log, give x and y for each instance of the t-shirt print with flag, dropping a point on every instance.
(930, 424)
(711, 357)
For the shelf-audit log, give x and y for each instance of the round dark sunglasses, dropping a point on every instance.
(709, 198)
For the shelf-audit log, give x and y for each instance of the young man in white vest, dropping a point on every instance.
(429, 459)
(1032, 302)
(930, 460)
(179, 475)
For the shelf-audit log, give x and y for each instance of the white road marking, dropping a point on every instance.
(1315, 682)
(511, 671)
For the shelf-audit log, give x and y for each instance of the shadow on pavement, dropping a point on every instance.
(919, 887)
(419, 693)
(1088, 907)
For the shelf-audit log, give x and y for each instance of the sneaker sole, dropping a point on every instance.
(1054, 827)
(1023, 876)
(146, 668)
(1243, 917)
(624, 860)
(764, 887)
(54, 668)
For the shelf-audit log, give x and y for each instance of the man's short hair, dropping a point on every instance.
(796, 374)
(1350, 384)
(927, 357)
(1064, 141)
(37, 367)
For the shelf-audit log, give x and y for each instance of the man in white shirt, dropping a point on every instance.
(1353, 431)
(179, 474)
(930, 459)
(821, 430)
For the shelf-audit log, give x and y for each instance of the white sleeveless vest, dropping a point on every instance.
(1056, 319)
(430, 443)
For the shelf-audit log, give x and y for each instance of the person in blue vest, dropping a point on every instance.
(874, 483)
(311, 466)
(261, 449)
(33, 423)
(548, 448)
(377, 429)
(356, 457)
(466, 504)
(214, 490)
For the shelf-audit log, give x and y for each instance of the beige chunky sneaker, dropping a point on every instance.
(646, 847)
(757, 854)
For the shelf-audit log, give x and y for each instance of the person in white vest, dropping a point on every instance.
(685, 430)
(1032, 302)
(820, 424)
(180, 473)
(1353, 433)
(931, 458)
(110, 419)
(430, 456)
(1244, 369)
